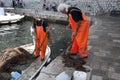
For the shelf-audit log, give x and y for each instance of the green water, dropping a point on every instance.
(15, 35)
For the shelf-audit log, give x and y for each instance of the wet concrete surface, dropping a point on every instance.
(56, 67)
(104, 54)
(59, 39)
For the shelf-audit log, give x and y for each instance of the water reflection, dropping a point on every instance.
(15, 35)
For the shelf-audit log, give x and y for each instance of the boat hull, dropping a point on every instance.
(10, 18)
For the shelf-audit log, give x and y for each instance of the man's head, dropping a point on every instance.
(63, 8)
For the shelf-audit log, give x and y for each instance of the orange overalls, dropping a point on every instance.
(41, 43)
(79, 44)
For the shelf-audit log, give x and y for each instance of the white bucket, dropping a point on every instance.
(79, 75)
(2, 12)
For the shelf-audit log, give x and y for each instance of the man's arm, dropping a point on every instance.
(77, 28)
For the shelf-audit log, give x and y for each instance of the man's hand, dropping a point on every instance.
(36, 39)
(68, 26)
(73, 35)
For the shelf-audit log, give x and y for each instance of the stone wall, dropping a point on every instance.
(94, 7)
(91, 7)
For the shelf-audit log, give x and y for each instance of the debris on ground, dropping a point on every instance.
(76, 63)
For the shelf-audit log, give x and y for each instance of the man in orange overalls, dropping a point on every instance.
(79, 24)
(40, 33)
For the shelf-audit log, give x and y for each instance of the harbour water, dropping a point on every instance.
(14, 35)
(18, 34)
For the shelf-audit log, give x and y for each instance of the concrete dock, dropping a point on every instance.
(55, 68)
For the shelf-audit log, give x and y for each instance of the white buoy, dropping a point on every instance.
(79, 75)
(63, 76)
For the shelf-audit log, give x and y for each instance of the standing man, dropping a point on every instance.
(15, 3)
(79, 24)
(44, 4)
(40, 33)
